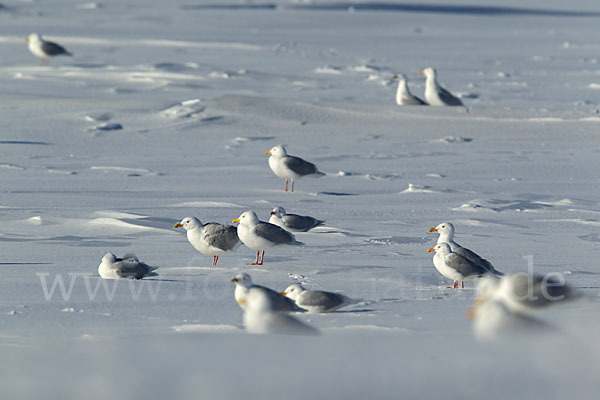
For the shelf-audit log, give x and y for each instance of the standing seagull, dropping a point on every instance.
(259, 235)
(244, 286)
(44, 49)
(210, 239)
(435, 94)
(290, 167)
(403, 95)
(293, 222)
(129, 266)
(454, 266)
(317, 301)
(446, 231)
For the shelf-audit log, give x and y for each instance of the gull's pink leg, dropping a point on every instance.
(286, 185)
(256, 262)
(215, 259)
(462, 284)
(262, 258)
(453, 287)
(292, 185)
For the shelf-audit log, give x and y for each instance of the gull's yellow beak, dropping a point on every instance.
(430, 250)
(178, 225)
(478, 301)
(421, 72)
(433, 230)
(27, 39)
(268, 152)
(235, 280)
(242, 302)
(236, 220)
(283, 293)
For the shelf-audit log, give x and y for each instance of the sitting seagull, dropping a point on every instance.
(44, 49)
(317, 301)
(436, 95)
(260, 317)
(454, 266)
(244, 285)
(259, 235)
(210, 239)
(525, 294)
(290, 167)
(293, 222)
(492, 320)
(446, 231)
(129, 266)
(403, 95)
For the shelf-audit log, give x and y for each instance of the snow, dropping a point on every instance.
(165, 111)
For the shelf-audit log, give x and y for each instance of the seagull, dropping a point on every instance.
(44, 49)
(293, 222)
(259, 235)
(493, 320)
(436, 95)
(129, 266)
(210, 239)
(446, 231)
(317, 301)
(525, 294)
(260, 317)
(403, 95)
(454, 266)
(290, 167)
(244, 285)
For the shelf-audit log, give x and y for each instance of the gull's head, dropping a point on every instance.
(486, 287)
(277, 151)
(442, 248)
(293, 291)
(248, 218)
(33, 37)
(444, 229)
(278, 212)
(109, 258)
(188, 223)
(428, 72)
(243, 280)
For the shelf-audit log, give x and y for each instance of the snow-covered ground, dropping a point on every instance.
(165, 111)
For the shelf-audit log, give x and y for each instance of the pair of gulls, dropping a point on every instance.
(435, 94)
(214, 239)
(267, 311)
(456, 262)
(44, 49)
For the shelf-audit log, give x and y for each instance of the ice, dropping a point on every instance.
(199, 90)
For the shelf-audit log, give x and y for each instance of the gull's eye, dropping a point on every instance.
(443, 226)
